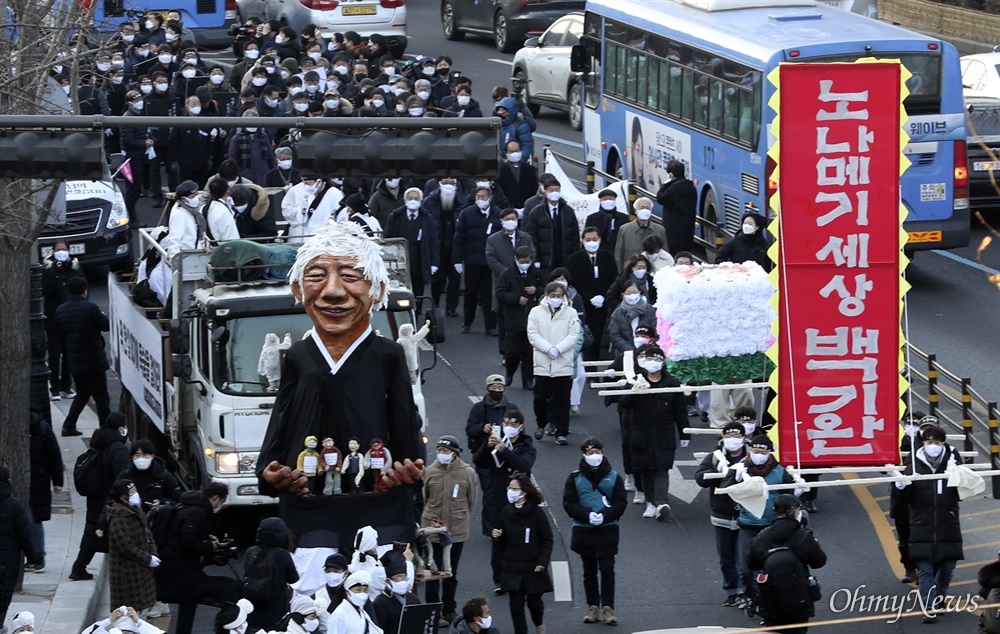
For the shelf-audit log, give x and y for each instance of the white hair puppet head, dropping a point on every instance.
(347, 240)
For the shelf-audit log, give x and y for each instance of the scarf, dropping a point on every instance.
(634, 311)
(244, 148)
(199, 219)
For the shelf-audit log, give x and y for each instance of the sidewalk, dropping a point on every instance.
(62, 606)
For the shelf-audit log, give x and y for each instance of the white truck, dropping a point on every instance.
(191, 383)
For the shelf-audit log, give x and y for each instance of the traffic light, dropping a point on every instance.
(50, 154)
(388, 152)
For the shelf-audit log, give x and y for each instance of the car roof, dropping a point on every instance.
(989, 58)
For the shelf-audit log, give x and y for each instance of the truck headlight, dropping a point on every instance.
(119, 215)
(236, 462)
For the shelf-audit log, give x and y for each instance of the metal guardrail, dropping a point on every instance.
(957, 406)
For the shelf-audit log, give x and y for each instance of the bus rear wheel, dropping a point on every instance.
(710, 212)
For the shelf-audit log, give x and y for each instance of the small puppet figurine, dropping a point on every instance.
(330, 462)
(410, 342)
(353, 467)
(308, 461)
(269, 364)
(424, 566)
(379, 461)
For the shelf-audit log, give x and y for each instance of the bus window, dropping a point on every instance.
(656, 73)
(616, 62)
(632, 74)
(592, 95)
(701, 100)
(641, 77)
(715, 104)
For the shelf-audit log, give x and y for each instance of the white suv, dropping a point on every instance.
(543, 68)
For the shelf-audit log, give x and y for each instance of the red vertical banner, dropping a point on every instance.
(838, 252)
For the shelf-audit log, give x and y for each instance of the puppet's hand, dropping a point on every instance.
(406, 472)
(284, 479)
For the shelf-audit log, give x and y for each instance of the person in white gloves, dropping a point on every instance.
(553, 331)
(594, 270)
(122, 619)
(132, 551)
(935, 531)
(759, 463)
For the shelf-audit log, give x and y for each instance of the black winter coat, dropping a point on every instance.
(81, 322)
(191, 149)
(471, 231)
(781, 532)
(510, 290)
(155, 483)
(519, 186)
(179, 576)
(538, 224)
(608, 223)
(724, 511)
(594, 541)
(445, 220)
(114, 459)
(133, 140)
(46, 467)
(483, 413)
(679, 199)
(935, 531)
(15, 538)
(520, 554)
(654, 422)
(429, 243)
(743, 248)
(520, 458)
(55, 284)
(272, 538)
(257, 221)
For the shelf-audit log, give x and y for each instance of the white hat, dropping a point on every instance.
(366, 539)
(245, 608)
(22, 619)
(303, 605)
(359, 578)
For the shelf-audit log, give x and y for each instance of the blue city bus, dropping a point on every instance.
(208, 20)
(671, 80)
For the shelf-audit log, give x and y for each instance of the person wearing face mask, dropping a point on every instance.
(443, 80)
(731, 448)
(109, 441)
(161, 102)
(421, 234)
(500, 254)
(656, 429)
(594, 497)
(750, 245)
(132, 553)
(523, 540)
(332, 594)
(517, 177)
(252, 150)
(451, 487)
(635, 310)
(308, 205)
(387, 197)
(554, 332)
(935, 542)
(187, 224)
(134, 143)
(180, 577)
(352, 615)
(148, 472)
(637, 270)
(57, 270)
(190, 150)
(759, 463)
(899, 510)
(506, 450)
(512, 127)
(553, 228)
(152, 26)
(476, 618)
(654, 251)
(595, 271)
(47, 477)
(461, 104)
(251, 53)
(251, 208)
(334, 105)
(232, 618)
(632, 234)
(123, 37)
(474, 225)
(607, 219)
(444, 203)
(679, 200)
(789, 605)
(485, 416)
(388, 605)
(139, 58)
(269, 570)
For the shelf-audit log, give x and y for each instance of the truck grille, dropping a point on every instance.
(79, 222)
(206, 6)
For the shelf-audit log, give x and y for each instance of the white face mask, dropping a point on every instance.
(164, 59)
(638, 342)
(911, 430)
(242, 629)
(315, 55)
(240, 208)
(378, 103)
(149, 25)
(310, 625)
(195, 110)
(117, 79)
(412, 205)
(340, 70)
(448, 189)
(331, 104)
(511, 432)
(128, 38)
(135, 500)
(483, 204)
(513, 496)
(142, 463)
(933, 450)
(632, 299)
(749, 427)
(555, 302)
(416, 112)
(312, 88)
(643, 214)
(357, 598)
(251, 130)
(759, 458)
(170, 37)
(285, 164)
(137, 105)
(300, 107)
(509, 225)
(334, 579)
(251, 53)
(216, 79)
(651, 365)
(258, 81)
(400, 107)
(191, 202)
(732, 444)
(523, 267)
(594, 460)
(142, 52)
(464, 100)
(424, 94)
(310, 189)
(145, 89)
(162, 87)
(553, 196)
(639, 273)
(61, 256)
(279, 39)
(592, 245)
(428, 71)
(124, 432)
(608, 205)
(445, 458)
(398, 587)
(271, 102)
(104, 67)
(392, 182)
(487, 622)
(333, 83)
(749, 229)
(294, 90)
(515, 157)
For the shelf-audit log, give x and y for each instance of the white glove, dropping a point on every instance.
(741, 470)
(538, 265)
(109, 131)
(685, 443)
(902, 484)
(458, 267)
(951, 462)
(723, 466)
(553, 352)
(596, 519)
(434, 269)
(154, 561)
(610, 373)
(798, 491)
(150, 153)
(622, 382)
(597, 301)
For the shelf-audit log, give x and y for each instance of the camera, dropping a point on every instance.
(518, 84)
(243, 31)
(226, 551)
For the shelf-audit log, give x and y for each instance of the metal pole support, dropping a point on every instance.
(590, 177)
(967, 414)
(932, 379)
(994, 422)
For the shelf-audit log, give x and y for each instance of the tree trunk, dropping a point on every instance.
(15, 367)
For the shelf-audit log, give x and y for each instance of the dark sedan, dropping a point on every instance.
(509, 22)
(984, 153)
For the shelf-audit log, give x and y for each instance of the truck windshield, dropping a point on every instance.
(237, 367)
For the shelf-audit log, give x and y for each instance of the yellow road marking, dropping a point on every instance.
(881, 498)
(978, 529)
(974, 546)
(969, 564)
(963, 583)
(978, 513)
(880, 521)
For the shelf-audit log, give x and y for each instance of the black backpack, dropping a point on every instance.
(989, 621)
(88, 473)
(160, 518)
(260, 579)
(783, 584)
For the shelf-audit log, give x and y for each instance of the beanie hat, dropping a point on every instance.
(22, 619)
(760, 441)
(449, 442)
(733, 426)
(646, 331)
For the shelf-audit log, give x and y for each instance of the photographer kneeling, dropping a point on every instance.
(180, 578)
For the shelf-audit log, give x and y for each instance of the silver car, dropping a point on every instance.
(542, 68)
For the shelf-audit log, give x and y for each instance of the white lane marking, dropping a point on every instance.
(961, 260)
(505, 62)
(563, 588)
(557, 140)
(686, 490)
(475, 399)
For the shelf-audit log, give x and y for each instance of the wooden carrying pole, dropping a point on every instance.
(838, 470)
(863, 481)
(684, 388)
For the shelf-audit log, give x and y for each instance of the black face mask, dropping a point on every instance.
(444, 71)
(494, 396)
(360, 77)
